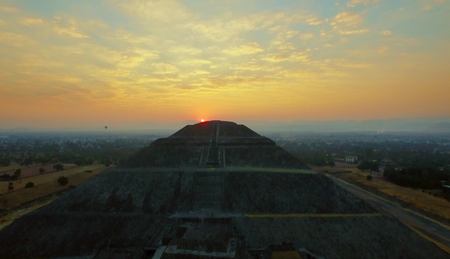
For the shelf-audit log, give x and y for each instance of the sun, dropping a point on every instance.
(202, 120)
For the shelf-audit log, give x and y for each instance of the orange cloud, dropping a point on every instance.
(8, 9)
(244, 49)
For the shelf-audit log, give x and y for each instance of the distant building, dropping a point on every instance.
(351, 159)
(387, 162)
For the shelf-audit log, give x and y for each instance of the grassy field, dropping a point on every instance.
(257, 169)
(423, 200)
(44, 185)
(14, 166)
(286, 255)
(13, 215)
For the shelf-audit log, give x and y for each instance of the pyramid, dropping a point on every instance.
(214, 144)
(211, 190)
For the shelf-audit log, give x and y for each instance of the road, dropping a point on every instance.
(428, 228)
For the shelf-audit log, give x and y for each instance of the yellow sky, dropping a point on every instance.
(67, 63)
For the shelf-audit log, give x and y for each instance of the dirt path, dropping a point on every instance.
(417, 198)
(428, 228)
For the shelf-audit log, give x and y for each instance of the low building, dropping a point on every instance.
(351, 159)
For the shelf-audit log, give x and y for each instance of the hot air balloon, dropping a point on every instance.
(106, 127)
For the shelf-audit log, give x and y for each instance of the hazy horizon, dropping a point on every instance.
(426, 125)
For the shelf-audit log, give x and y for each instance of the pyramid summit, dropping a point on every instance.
(215, 144)
(211, 190)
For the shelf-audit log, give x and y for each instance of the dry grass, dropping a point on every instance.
(286, 255)
(422, 200)
(13, 166)
(44, 185)
(13, 215)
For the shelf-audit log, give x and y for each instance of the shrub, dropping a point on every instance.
(63, 180)
(29, 185)
(369, 177)
(58, 167)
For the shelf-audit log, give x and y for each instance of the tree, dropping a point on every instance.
(5, 161)
(10, 186)
(63, 180)
(5, 176)
(58, 167)
(29, 185)
(369, 177)
(332, 163)
(17, 173)
(374, 166)
(369, 153)
(364, 165)
(41, 170)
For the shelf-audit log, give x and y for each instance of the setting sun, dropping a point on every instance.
(202, 120)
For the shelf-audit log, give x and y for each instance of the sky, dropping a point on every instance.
(89, 63)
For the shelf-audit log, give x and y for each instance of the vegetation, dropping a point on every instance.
(408, 150)
(369, 177)
(5, 177)
(16, 175)
(80, 149)
(41, 170)
(418, 177)
(58, 167)
(368, 165)
(29, 185)
(5, 161)
(62, 180)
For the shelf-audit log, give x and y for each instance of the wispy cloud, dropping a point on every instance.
(347, 23)
(8, 9)
(354, 3)
(244, 49)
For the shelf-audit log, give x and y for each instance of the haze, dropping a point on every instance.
(86, 64)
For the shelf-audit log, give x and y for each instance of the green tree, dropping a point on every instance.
(369, 153)
(5, 161)
(62, 180)
(58, 167)
(17, 173)
(364, 165)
